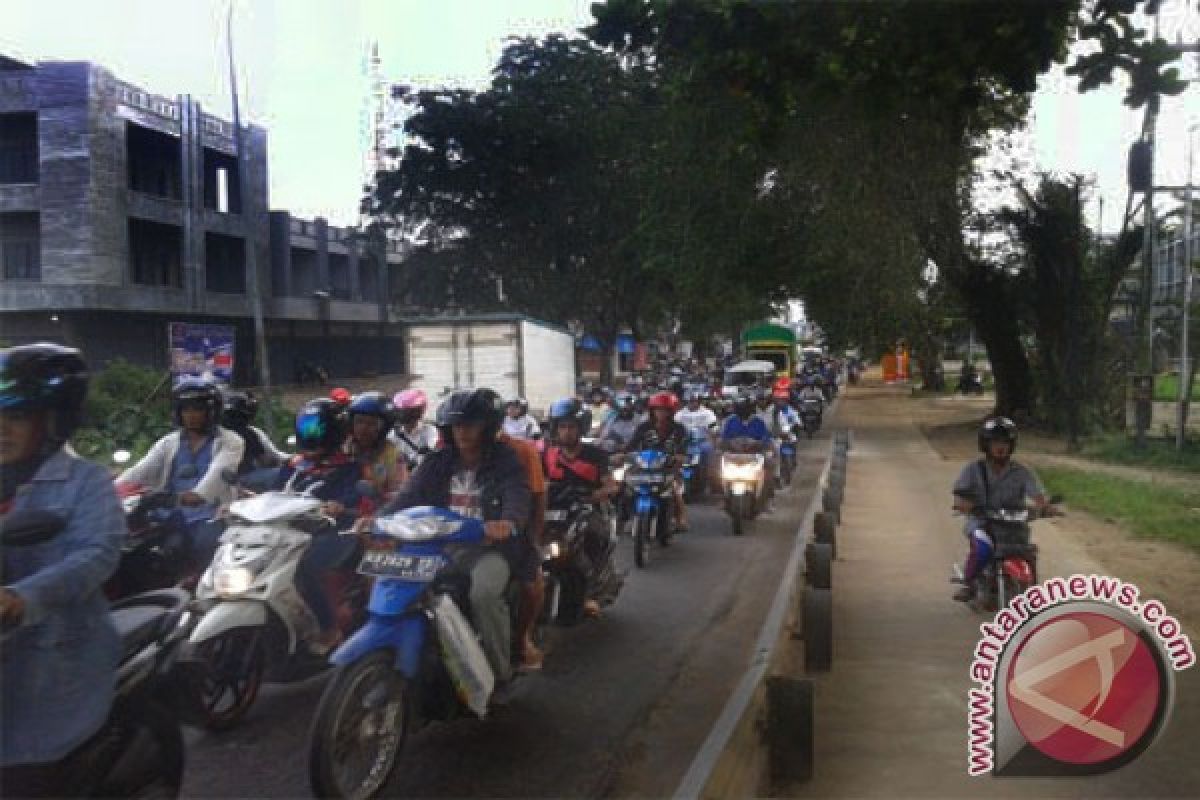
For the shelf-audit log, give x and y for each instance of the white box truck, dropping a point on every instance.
(511, 353)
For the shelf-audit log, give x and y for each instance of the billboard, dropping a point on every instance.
(202, 351)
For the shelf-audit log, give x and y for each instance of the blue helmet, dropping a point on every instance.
(373, 404)
(570, 410)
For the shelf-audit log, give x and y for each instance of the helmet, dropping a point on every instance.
(782, 385)
(472, 405)
(665, 400)
(340, 396)
(409, 399)
(997, 428)
(239, 410)
(322, 425)
(570, 410)
(373, 404)
(519, 402)
(744, 405)
(196, 390)
(45, 376)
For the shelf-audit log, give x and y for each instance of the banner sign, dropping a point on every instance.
(202, 351)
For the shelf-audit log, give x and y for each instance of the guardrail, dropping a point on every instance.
(772, 710)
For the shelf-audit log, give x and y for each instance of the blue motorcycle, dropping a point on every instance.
(695, 466)
(393, 676)
(787, 459)
(652, 485)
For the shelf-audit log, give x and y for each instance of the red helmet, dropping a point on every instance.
(666, 400)
(340, 396)
(783, 385)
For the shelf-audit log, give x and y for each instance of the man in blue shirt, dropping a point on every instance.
(745, 424)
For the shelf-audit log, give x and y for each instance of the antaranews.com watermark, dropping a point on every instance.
(1075, 677)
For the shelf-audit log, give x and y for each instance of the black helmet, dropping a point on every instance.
(519, 402)
(745, 405)
(374, 404)
(472, 405)
(998, 428)
(240, 409)
(322, 424)
(45, 376)
(196, 390)
(570, 410)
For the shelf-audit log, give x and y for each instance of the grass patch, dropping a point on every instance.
(1160, 453)
(1166, 389)
(1147, 510)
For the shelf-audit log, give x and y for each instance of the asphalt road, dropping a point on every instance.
(619, 710)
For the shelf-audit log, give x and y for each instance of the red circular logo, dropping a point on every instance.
(1084, 688)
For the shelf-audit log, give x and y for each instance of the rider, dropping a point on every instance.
(622, 424)
(745, 423)
(662, 432)
(415, 437)
(194, 462)
(993, 482)
(701, 424)
(59, 659)
(811, 393)
(518, 422)
(261, 459)
(371, 418)
(477, 476)
(533, 591)
(323, 466)
(572, 463)
(600, 409)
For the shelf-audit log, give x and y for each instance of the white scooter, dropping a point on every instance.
(255, 622)
(743, 474)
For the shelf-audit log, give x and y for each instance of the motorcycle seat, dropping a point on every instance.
(142, 618)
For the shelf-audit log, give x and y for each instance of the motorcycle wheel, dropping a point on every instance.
(786, 472)
(737, 510)
(662, 527)
(150, 763)
(235, 664)
(359, 729)
(572, 594)
(641, 540)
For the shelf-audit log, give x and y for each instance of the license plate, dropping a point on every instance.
(556, 516)
(646, 478)
(387, 564)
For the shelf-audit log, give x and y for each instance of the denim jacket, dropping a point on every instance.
(57, 670)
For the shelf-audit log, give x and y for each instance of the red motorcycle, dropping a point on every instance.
(1011, 567)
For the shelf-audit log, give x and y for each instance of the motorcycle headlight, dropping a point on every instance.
(233, 581)
(739, 472)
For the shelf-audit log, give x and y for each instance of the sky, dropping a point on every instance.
(302, 76)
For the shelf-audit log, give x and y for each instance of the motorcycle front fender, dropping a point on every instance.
(1019, 570)
(227, 615)
(645, 504)
(403, 635)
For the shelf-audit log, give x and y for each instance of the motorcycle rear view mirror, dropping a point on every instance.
(121, 457)
(25, 528)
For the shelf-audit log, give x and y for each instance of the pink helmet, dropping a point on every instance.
(410, 398)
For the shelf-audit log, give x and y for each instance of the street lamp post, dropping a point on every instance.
(1185, 361)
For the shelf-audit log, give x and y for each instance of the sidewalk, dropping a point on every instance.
(891, 718)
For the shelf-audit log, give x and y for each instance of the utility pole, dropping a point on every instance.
(252, 276)
(1185, 361)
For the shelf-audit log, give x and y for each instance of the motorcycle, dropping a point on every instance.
(695, 466)
(256, 625)
(415, 660)
(810, 416)
(1012, 566)
(787, 458)
(743, 476)
(576, 565)
(969, 383)
(155, 553)
(651, 488)
(139, 751)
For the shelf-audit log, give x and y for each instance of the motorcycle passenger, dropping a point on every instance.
(811, 393)
(324, 466)
(59, 661)
(192, 462)
(573, 463)
(518, 423)
(662, 432)
(993, 482)
(622, 424)
(477, 476)
(701, 424)
(261, 459)
(415, 437)
(371, 418)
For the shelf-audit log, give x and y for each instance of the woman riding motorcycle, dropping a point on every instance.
(371, 417)
(58, 661)
(415, 437)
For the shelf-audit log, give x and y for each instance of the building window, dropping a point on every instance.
(224, 263)
(304, 272)
(155, 162)
(339, 276)
(155, 253)
(222, 190)
(18, 148)
(21, 246)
